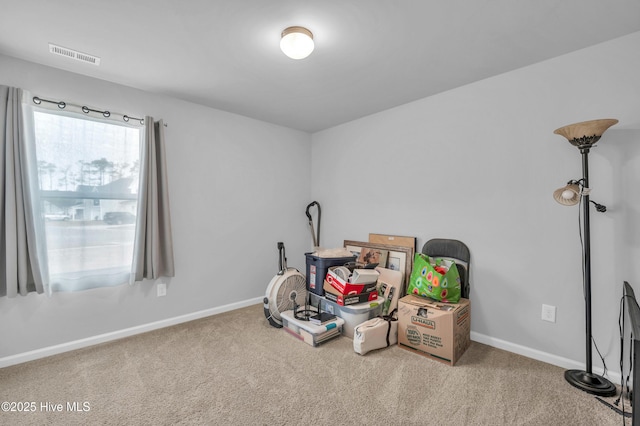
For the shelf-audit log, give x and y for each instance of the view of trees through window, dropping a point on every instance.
(88, 174)
(95, 172)
(73, 151)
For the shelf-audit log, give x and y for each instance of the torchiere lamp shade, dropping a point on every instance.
(585, 132)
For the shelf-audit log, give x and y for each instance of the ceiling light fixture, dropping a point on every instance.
(297, 42)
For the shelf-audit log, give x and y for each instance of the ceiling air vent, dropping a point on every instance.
(74, 54)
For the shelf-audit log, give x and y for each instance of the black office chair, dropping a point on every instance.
(454, 250)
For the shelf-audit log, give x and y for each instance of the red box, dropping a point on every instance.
(347, 288)
(331, 293)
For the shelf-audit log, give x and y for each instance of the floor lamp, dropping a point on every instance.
(584, 135)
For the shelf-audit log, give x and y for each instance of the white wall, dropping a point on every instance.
(237, 187)
(480, 164)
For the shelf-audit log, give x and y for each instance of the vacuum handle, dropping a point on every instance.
(314, 234)
(282, 258)
(311, 204)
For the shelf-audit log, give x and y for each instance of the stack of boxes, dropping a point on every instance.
(350, 295)
(437, 330)
(346, 288)
(317, 268)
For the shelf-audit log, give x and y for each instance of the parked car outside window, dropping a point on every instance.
(118, 218)
(57, 217)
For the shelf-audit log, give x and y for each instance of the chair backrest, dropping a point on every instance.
(458, 252)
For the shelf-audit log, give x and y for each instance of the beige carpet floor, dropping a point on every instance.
(235, 369)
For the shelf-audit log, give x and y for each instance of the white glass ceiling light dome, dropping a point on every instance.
(297, 42)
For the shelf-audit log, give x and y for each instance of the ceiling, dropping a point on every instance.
(370, 55)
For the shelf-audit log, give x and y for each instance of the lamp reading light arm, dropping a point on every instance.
(585, 191)
(573, 192)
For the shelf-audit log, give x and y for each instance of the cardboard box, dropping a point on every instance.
(332, 294)
(440, 331)
(348, 288)
(364, 276)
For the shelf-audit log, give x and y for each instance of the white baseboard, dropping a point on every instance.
(559, 361)
(115, 335)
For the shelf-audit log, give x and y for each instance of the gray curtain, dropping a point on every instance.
(19, 265)
(153, 252)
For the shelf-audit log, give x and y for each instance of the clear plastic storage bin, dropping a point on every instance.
(353, 315)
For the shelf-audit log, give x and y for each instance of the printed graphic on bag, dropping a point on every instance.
(435, 278)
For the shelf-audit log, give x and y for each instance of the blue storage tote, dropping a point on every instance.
(317, 268)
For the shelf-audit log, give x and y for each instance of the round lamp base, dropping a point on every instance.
(590, 382)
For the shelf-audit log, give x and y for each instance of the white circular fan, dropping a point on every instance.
(286, 290)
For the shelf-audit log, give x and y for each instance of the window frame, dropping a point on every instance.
(39, 196)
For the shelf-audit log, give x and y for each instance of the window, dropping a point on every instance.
(85, 180)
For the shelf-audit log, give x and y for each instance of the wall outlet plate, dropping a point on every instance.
(549, 313)
(161, 289)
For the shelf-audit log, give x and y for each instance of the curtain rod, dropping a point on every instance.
(86, 110)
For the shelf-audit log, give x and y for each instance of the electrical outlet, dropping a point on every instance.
(549, 313)
(162, 289)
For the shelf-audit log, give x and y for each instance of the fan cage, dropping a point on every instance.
(292, 289)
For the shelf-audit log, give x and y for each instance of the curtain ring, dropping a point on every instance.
(106, 114)
(61, 105)
(37, 100)
(85, 110)
(127, 118)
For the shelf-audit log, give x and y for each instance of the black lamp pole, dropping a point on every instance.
(586, 380)
(586, 257)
